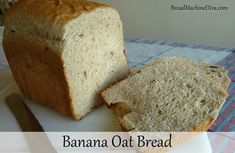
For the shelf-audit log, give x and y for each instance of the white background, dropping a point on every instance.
(153, 19)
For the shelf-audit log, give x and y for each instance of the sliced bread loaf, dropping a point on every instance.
(170, 95)
(63, 53)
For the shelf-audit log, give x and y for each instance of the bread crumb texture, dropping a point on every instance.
(173, 94)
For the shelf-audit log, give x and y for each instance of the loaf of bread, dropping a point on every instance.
(173, 94)
(63, 53)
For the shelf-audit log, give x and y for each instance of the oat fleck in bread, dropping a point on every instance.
(170, 95)
(63, 53)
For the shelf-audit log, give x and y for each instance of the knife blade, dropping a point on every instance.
(38, 142)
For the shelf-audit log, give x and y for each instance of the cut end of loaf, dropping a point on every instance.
(94, 57)
(171, 95)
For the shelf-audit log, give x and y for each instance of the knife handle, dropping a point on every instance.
(37, 139)
(23, 115)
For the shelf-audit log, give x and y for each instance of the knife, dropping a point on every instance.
(23, 115)
(36, 138)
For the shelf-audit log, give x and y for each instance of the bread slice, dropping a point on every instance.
(64, 53)
(170, 95)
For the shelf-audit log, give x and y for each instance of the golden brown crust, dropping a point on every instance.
(39, 73)
(124, 129)
(204, 127)
(51, 12)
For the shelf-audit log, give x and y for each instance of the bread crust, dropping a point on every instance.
(204, 127)
(39, 73)
(37, 29)
(54, 13)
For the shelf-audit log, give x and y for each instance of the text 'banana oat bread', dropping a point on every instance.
(63, 53)
(173, 94)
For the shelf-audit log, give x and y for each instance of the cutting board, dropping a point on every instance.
(102, 119)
